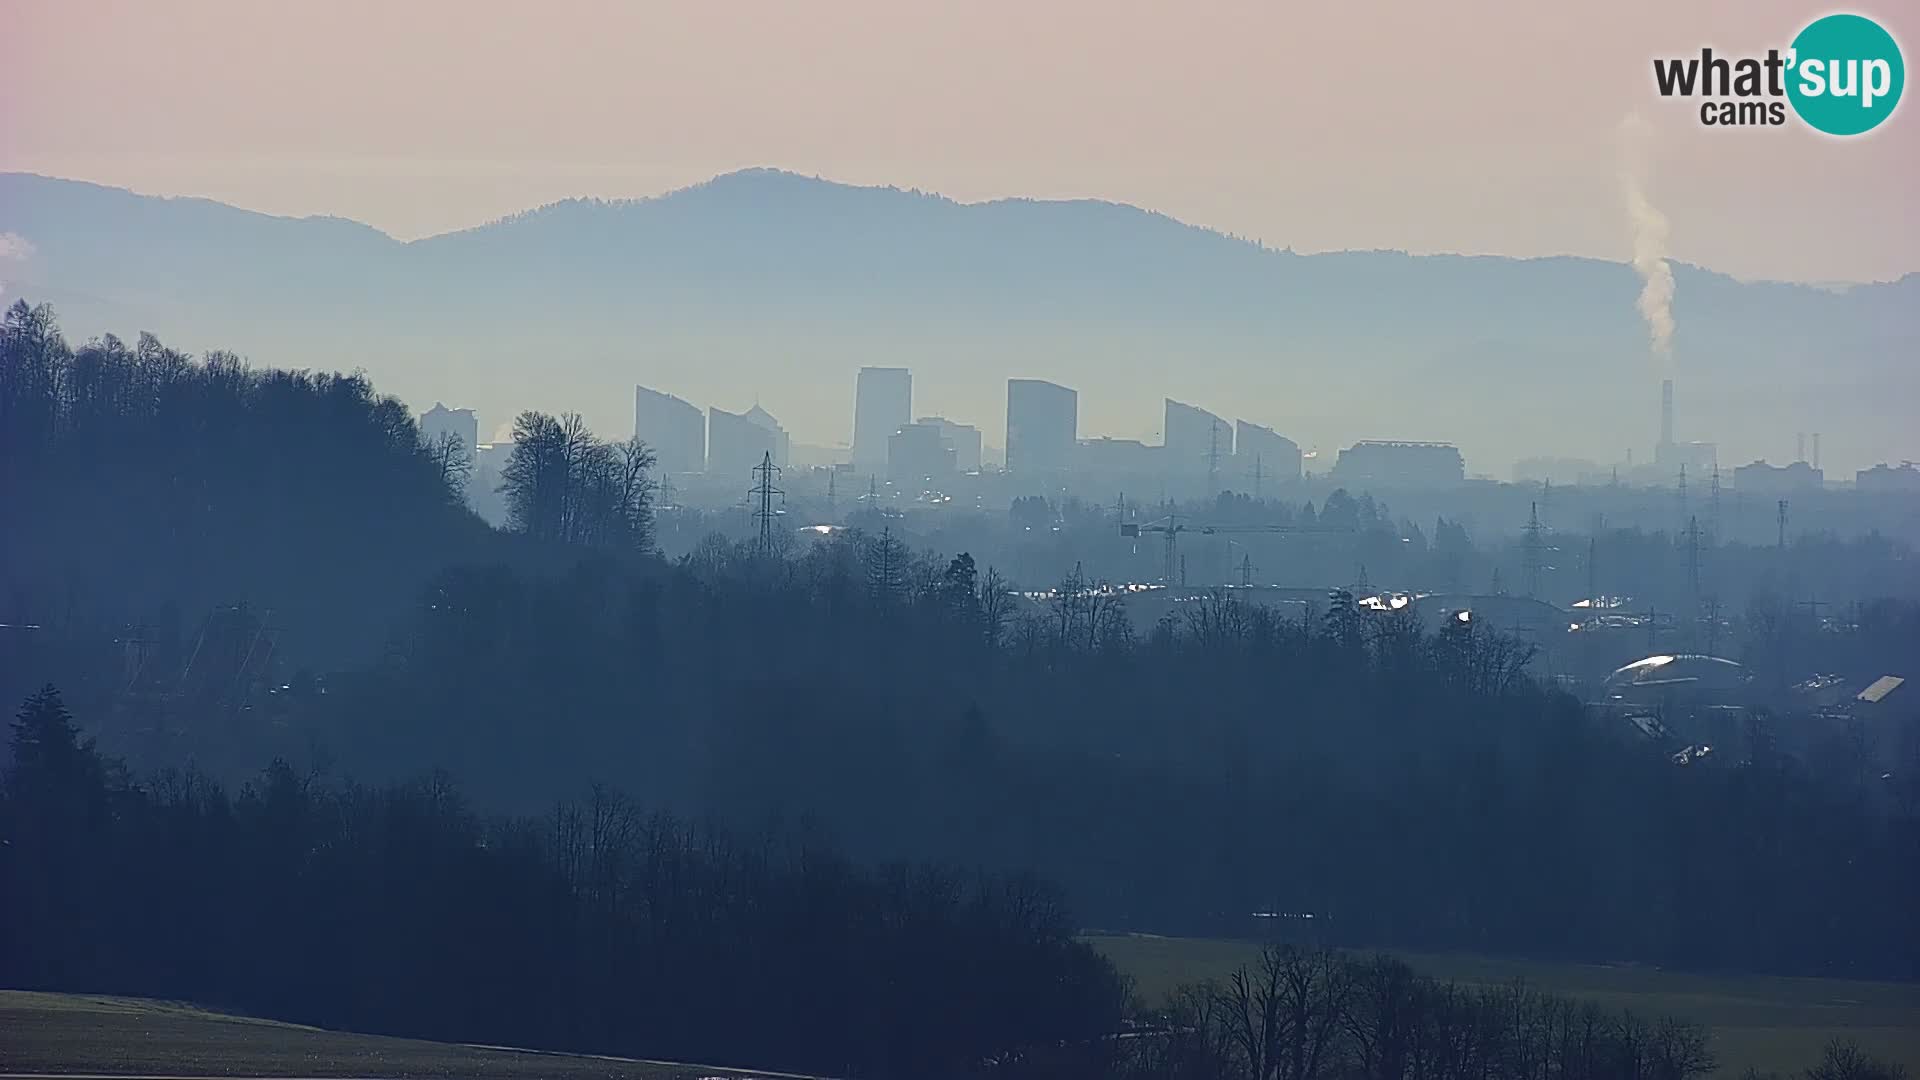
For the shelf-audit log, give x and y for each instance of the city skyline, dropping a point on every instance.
(1128, 307)
(1233, 453)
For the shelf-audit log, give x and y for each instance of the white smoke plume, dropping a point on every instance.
(1649, 242)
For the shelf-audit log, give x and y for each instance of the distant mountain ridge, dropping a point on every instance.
(767, 284)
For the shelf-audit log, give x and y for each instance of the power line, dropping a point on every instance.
(763, 491)
(1213, 459)
(1680, 494)
(1713, 506)
(1532, 551)
(1593, 588)
(1693, 561)
(1173, 540)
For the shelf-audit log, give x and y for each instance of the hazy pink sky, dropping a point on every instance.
(1432, 127)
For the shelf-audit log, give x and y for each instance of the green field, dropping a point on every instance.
(1773, 1023)
(73, 1033)
(1768, 1022)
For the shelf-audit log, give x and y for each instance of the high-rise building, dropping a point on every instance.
(441, 420)
(1276, 457)
(882, 402)
(1197, 441)
(919, 453)
(781, 443)
(1043, 423)
(736, 442)
(1105, 458)
(963, 438)
(1388, 465)
(675, 429)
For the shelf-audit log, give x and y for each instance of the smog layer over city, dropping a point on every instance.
(865, 540)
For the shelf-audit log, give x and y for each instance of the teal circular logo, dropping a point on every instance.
(1845, 74)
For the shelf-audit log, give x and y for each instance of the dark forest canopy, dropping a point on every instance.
(145, 485)
(1225, 762)
(598, 927)
(601, 927)
(138, 480)
(1409, 788)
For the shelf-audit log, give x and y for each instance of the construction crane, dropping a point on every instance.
(1170, 527)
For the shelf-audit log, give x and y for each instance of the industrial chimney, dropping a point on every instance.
(1666, 412)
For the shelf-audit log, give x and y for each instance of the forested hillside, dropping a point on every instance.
(1402, 787)
(139, 481)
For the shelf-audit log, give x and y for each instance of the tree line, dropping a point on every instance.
(143, 487)
(141, 484)
(602, 927)
(598, 927)
(1303, 1013)
(1175, 778)
(563, 484)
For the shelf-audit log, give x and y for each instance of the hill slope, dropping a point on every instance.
(78, 1033)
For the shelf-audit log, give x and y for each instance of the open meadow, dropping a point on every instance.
(1771, 1023)
(86, 1034)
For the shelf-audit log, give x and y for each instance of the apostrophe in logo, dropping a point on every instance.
(1842, 75)
(1847, 74)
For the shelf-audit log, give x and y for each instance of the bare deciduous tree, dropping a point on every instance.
(452, 459)
(996, 606)
(563, 484)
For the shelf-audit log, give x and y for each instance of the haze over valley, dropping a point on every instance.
(1221, 541)
(771, 287)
